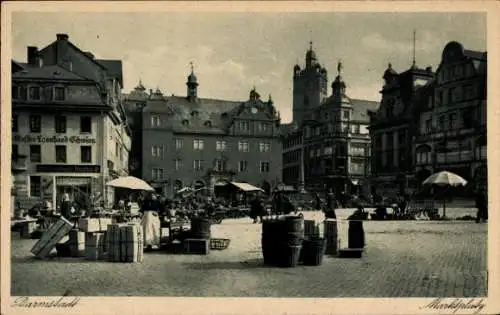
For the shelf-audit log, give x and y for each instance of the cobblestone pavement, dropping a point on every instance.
(402, 259)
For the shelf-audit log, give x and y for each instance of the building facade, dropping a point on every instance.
(452, 131)
(393, 127)
(328, 145)
(69, 131)
(200, 142)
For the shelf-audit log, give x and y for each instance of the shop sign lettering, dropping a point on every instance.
(54, 139)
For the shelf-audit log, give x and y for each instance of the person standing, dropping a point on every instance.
(151, 222)
(317, 202)
(482, 206)
(66, 206)
(330, 206)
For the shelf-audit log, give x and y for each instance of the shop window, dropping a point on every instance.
(61, 154)
(35, 186)
(86, 154)
(35, 153)
(60, 122)
(36, 123)
(86, 124)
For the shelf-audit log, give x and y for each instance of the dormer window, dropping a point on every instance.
(59, 93)
(194, 113)
(34, 93)
(208, 123)
(185, 122)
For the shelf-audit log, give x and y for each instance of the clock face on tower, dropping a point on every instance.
(254, 110)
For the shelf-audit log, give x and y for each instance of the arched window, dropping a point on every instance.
(194, 113)
(185, 122)
(208, 123)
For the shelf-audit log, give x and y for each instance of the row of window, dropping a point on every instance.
(60, 123)
(457, 155)
(339, 129)
(456, 72)
(244, 126)
(220, 146)
(450, 122)
(35, 153)
(220, 165)
(34, 93)
(456, 94)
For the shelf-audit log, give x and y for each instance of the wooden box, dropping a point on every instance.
(76, 243)
(51, 237)
(197, 246)
(94, 246)
(94, 224)
(125, 243)
(27, 228)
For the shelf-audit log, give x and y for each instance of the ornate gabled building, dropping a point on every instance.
(393, 127)
(69, 130)
(452, 131)
(192, 141)
(328, 144)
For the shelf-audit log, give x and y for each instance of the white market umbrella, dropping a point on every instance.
(445, 179)
(130, 182)
(184, 189)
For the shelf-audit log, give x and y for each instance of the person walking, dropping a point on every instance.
(482, 206)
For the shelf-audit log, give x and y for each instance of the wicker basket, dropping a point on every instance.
(219, 243)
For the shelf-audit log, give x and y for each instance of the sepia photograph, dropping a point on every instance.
(238, 153)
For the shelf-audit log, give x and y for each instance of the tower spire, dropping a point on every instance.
(191, 66)
(414, 63)
(339, 67)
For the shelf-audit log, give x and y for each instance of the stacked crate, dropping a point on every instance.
(55, 233)
(95, 230)
(125, 243)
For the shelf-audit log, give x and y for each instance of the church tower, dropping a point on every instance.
(192, 86)
(310, 86)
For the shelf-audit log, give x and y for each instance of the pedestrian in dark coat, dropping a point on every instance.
(482, 206)
(317, 202)
(330, 206)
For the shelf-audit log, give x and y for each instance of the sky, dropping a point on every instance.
(232, 52)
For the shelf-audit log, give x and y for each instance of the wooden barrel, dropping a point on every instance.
(291, 235)
(76, 243)
(200, 228)
(94, 246)
(331, 237)
(311, 229)
(313, 250)
(289, 256)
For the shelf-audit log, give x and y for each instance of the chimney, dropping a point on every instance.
(62, 36)
(33, 56)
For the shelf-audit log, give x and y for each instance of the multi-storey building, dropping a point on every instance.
(69, 132)
(393, 127)
(327, 145)
(452, 131)
(200, 142)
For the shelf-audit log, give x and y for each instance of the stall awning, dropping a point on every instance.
(246, 187)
